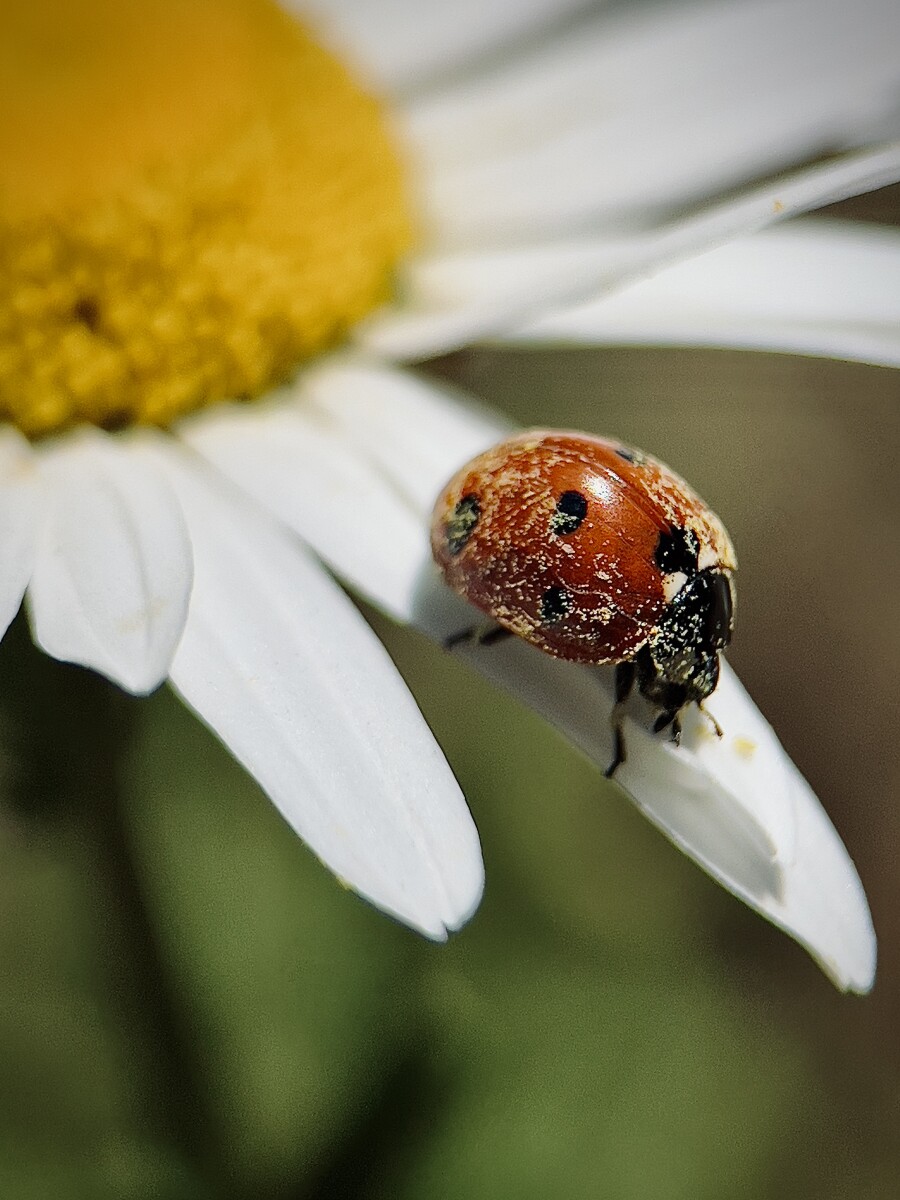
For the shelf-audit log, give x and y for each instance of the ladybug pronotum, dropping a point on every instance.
(597, 553)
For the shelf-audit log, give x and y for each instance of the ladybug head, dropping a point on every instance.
(680, 663)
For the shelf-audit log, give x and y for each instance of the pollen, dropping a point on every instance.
(194, 198)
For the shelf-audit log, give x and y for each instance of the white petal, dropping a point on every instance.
(644, 109)
(19, 499)
(451, 299)
(402, 44)
(394, 416)
(820, 900)
(303, 457)
(811, 287)
(282, 667)
(737, 806)
(301, 469)
(112, 572)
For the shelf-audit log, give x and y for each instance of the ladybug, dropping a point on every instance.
(597, 553)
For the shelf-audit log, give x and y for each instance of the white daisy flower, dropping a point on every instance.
(198, 201)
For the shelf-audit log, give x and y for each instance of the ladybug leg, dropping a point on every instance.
(625, 677)
(712, 720)
(669, 716)
(676, 729)
(484, 635)
(456, 639)
(663, 721)
(493, 635)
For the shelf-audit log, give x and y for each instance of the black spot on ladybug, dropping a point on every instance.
(461, 524)
(631, 456)
(556, 602)
(677, 550)
(571, 509)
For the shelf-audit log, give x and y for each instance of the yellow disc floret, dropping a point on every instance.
(194, 197)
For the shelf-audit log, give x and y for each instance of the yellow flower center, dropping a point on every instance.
(194, 197)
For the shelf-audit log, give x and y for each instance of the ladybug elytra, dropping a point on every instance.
(597, 553)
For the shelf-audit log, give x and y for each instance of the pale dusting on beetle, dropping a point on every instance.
(672, 584)
(683, 508)
(526, 533)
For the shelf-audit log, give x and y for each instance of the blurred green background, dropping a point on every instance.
(191, 1006)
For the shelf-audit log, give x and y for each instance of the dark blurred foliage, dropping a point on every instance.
(192, 1007)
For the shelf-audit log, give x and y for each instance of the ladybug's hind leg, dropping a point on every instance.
(625, 676)
(670, 716)
(484, 635)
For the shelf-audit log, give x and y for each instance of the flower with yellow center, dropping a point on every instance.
(152, 262)
(198, 199)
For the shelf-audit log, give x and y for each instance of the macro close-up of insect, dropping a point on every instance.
(396, 801)
(596, 553)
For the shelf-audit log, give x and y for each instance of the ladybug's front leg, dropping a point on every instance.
(717, 728)
(625, 677)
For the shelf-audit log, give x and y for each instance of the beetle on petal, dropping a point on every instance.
(594, 552)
